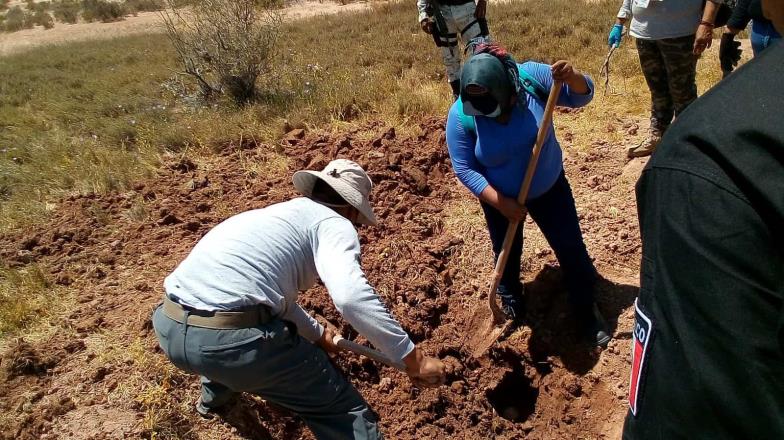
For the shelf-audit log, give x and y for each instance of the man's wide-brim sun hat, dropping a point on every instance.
(348, 179)
(487, 72)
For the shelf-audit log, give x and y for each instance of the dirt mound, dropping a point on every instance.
(23, 360)
(538, 382)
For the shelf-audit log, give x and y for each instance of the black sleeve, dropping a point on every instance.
(740, 15)
(755, 10)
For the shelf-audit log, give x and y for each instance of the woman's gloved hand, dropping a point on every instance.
(615, 35)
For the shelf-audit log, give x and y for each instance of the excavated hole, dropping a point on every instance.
(515, 397)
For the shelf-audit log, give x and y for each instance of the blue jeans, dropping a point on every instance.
(555, 214)
(274, 362)
(763, 34)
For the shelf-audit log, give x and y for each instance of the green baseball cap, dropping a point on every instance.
(486, 72)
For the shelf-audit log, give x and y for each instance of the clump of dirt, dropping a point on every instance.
(22, 359)
(539, 381)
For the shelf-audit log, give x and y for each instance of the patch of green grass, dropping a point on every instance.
(26, 298)
(93, 116)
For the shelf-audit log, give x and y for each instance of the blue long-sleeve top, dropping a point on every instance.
(499, 153)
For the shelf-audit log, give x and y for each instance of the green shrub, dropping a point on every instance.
(134, 6)
(102, 10)
(66, 11)
(16, 19)
(38, 7)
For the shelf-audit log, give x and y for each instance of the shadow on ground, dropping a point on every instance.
(553, 325)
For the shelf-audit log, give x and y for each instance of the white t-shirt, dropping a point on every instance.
(660, 19)
(266, 256)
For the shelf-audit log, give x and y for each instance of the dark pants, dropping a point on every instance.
(274, 362)
(555, 214)
(670, 69)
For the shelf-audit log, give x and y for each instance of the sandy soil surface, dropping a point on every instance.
(538, 382)
(144, 22)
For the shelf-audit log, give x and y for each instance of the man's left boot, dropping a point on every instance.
(592, 326)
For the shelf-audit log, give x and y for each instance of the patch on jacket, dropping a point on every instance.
(641, 336)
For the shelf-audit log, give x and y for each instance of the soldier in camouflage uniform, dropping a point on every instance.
(670, 35)
(450, 20)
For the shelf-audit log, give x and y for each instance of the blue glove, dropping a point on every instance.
(615, 35)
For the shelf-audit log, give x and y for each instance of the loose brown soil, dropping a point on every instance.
(115, 249)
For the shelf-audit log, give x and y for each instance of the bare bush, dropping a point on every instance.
(225, 45)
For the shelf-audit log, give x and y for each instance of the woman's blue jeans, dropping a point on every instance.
(555, 214)
(763, 34)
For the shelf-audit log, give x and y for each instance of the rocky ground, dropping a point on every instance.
(101, 375)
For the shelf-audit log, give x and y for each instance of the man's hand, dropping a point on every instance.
(703, 39)
(481, 9)
(729, 52)
(427, 26)
(327, 341)
(424, 371)
(513, 211)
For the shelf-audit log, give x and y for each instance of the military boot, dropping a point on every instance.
(646, 147)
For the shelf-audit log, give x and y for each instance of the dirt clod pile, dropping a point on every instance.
(114, 250)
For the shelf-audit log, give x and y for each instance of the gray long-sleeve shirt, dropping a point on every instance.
(266, 256)
(660, 19)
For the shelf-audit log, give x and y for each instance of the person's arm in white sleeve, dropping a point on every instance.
(625, 12)
(422, 8)
(307, 326)
(337, 256)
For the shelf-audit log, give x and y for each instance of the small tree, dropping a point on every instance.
(225, 45)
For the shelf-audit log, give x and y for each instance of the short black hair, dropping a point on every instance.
(324, 193)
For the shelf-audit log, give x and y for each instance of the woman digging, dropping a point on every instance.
(490, 133)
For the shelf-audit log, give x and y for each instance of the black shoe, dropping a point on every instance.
(513, 307)
(593, 327)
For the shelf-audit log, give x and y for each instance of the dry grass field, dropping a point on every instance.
(94, 138)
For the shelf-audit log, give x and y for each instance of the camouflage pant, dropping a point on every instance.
(460, 23)
(670, 68)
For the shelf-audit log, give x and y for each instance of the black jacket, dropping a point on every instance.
(711, 304)
(744, 12)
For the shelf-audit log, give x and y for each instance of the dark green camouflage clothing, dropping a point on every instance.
(670, 68)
